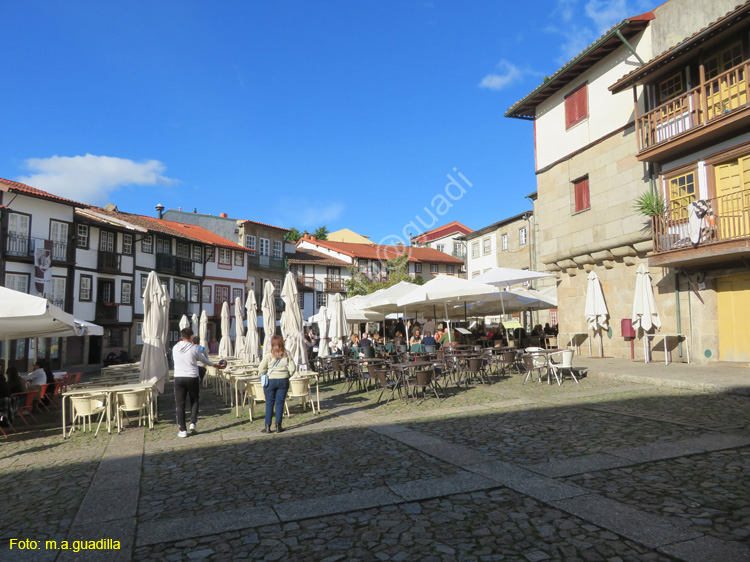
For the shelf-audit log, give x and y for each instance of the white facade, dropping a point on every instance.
(481, 254)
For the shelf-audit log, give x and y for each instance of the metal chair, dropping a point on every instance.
(566, 363)
(534, 362)
(425, 379)
(300, 388)
(135, 401)
(85, 407)
(26, 404)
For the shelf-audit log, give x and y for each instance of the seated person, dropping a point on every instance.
(365, 341)
(416, 338)
(14, 381)
(428, 339)
(335, 350)
(37, 377)
(547, 329)
(398, 339)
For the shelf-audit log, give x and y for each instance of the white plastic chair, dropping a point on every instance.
(135, 401)
(566, 363)
(85, 407)
(300, 388)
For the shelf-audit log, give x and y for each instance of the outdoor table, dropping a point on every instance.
(572, 339)
(547, 353)
(234, 379)
(647, 349)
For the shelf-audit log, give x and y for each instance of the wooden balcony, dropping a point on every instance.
(713, 110)
(106, 312)
(310, 282)
(167, 263)
(108, 262)
(725, 233)
(335, 285)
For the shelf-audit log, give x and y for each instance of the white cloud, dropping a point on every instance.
(507, 74)
(91, 179)
(606, 13)
(564, 9)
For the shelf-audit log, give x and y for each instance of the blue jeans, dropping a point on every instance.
(275, 394)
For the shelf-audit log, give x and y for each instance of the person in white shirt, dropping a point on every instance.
(429, 326)
(186, 357)
(37, 377)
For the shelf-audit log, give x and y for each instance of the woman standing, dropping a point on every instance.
(279, 367)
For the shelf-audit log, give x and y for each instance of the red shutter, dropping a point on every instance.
(581, 191)
(576, 107)
(569, 111)
(582, 104)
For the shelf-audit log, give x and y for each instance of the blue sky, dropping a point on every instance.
(296, 113)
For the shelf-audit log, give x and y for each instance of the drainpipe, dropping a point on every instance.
(677, 311)
(629, 46)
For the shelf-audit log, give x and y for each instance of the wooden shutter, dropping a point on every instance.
(581, 191)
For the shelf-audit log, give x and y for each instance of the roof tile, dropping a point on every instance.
(35, 192)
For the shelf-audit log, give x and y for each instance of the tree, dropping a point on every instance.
(321, 233)
(398, 270)
(293, 235)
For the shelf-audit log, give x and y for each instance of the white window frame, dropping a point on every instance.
(17, 281)
(277, 250)
(225, 256)
(239, 258)
(321, 299)
(127, 244)
(84, 284)
(486, 245)
(196, 252)
(82, 239)
(440, 248)
(434, 268)
(126, 296)
(475, 249)
(523, 236)
(250, 241)
(504, 239)
(276, 287)
(449, 270)
(265, 247)
(147, 244)
(107, 241)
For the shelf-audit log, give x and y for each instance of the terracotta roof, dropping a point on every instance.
(685, 47)
(304, 256)
(14, 186)
(442, 231)
(380, 252)
(172, 228)
(526, 108)
(268, 225)
(495, 225)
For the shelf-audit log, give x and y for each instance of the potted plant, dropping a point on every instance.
(651, 204)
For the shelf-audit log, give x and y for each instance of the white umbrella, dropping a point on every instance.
(203, 329)
(322, 321)
(239, 341)
(195, 324)
(268, 310)
(291, 321)
(225, 343)
(513, 300)
(338, 330)
(356, 310)
(596, 309)
(184, 322)
(645, 313)
(504, 277)
(252, 343)
(154, 364)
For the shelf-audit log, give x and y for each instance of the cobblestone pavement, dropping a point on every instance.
(601, 470)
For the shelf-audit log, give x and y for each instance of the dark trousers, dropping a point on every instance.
(190, 387)
(275, 395)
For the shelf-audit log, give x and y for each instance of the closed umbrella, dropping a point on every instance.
(291, 322)
(645, 314)
(225, 343)
(323, 350)
(239, 342)
(154, 364)
(338, 329)
(184, 322)
(195, 324)
(268, 310)
(597, 315)
(252, 343)
(203, 329)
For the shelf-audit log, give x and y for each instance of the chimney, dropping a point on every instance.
(179, 209)
(160, 209)
(223, 215)
(312, 237)
(400, 244)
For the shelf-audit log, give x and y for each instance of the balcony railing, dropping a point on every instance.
(700, 106)
(335, 284)
(108, 262)
(106, 311)
(167, 263)
(23, 247)
(727, 219)
(265, 262)
(178, 308)
(310, 282)
(459, 254)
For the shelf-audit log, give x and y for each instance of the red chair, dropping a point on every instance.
(56, 396)
(26, 404)
(8, 407)
(40, 399)
(76, 378)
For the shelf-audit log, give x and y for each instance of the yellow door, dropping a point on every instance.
(728, 91)
(733, 199)
(733, 302)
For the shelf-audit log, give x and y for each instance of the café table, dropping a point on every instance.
(664, 337)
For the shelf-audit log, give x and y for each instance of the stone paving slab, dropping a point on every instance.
(456, 484)
(707, 549)
(122, 530)
(341, 503)
(530, 484)
(626, 521)
(566, 467)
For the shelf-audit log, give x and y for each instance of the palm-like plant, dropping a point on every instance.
(650, 204)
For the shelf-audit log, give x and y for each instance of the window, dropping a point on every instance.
(163, 246)
(504, 239)
(126, 292)
(106, 241)
(84, 289)
(276, 287)
(194, 288)
(82, 241)
(237, 293)
(449, 269)
(681, 194)
(475, 274)
(115, 337)
(18, 224)
(433, 268)
(180, 291)
(144, 280)
(576, 107)
(265, 247)
(440, 248)
(487, 245)
(183, 250)
(671, 87)
(301, 301)
(277, 250)
(197, 253)
(581, 194)
(57, 292)
(147, 244)
(522, 235)
(475, 250)
(418, 268)
(58, 235)
(139, 329)
(239, 258)
(225, 257)
(127, 244)
(17, 282)
(321, 299)
(206, 294)
(723, 60)
(458, 250)
(250, 241)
